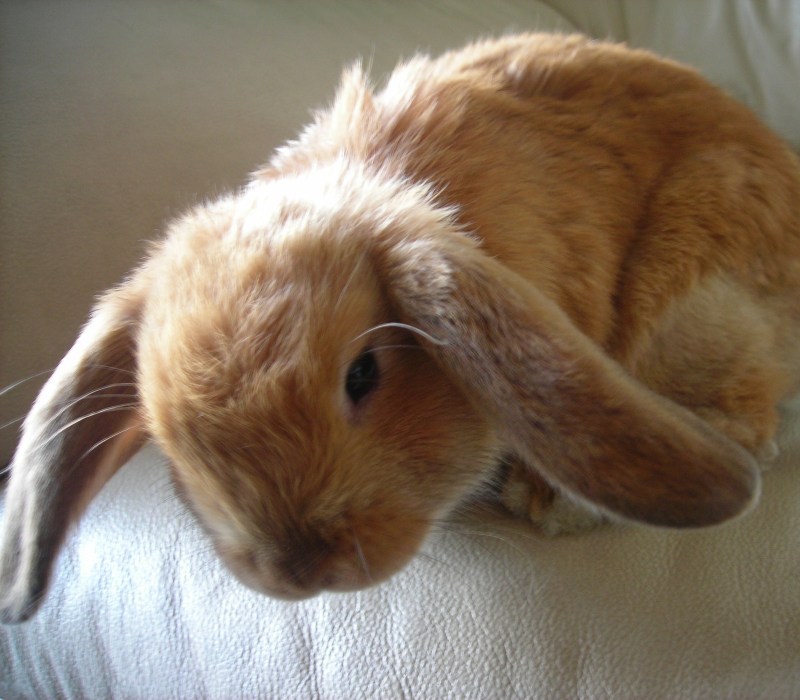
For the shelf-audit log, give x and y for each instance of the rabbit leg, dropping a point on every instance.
(715, 353)
(525, 494)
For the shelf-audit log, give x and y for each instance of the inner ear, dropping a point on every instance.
(559, 402)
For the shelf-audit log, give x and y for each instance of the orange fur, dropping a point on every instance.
(588, 259)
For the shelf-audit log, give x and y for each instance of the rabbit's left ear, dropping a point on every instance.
(563, 405)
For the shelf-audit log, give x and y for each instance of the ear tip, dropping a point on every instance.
(739, 495)
(21, 595)
(715, 504)
(743, 497)
(16, 609)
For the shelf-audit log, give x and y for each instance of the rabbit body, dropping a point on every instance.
(565, 255)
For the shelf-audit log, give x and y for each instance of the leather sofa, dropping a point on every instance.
(115, 116)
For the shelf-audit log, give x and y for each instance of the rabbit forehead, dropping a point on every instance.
(262, 365)
(295, 220)
(288, 331)
(283, 269)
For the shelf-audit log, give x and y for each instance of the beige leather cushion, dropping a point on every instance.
(116, 114)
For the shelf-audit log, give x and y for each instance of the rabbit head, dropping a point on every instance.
(314, 438)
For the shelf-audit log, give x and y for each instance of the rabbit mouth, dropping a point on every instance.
(301, 577)
(302, 566)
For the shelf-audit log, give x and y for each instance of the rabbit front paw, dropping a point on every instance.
(528, 496)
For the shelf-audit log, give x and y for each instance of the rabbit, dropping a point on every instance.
(542, 258)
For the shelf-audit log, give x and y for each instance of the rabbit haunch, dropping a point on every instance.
(573, 257)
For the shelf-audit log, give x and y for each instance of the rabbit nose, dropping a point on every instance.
(306, 563)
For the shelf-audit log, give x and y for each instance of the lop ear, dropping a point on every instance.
(82, 427)
(558, 400)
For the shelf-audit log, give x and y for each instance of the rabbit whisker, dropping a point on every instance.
(20, 382)
(108, 409)
(14, 421)
(91, 393)
(66, 406)
(361, 558)
(25, 380)
(477, 535)
(94, 394)
(427, 556)
(99, 443)
(397, 347)
(114, 369)
(404, 326)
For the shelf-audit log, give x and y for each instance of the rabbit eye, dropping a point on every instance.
(362, 377)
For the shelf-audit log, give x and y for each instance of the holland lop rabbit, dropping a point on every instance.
(563, 256)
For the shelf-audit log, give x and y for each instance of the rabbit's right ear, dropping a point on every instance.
(82, 427)
(558, 400)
